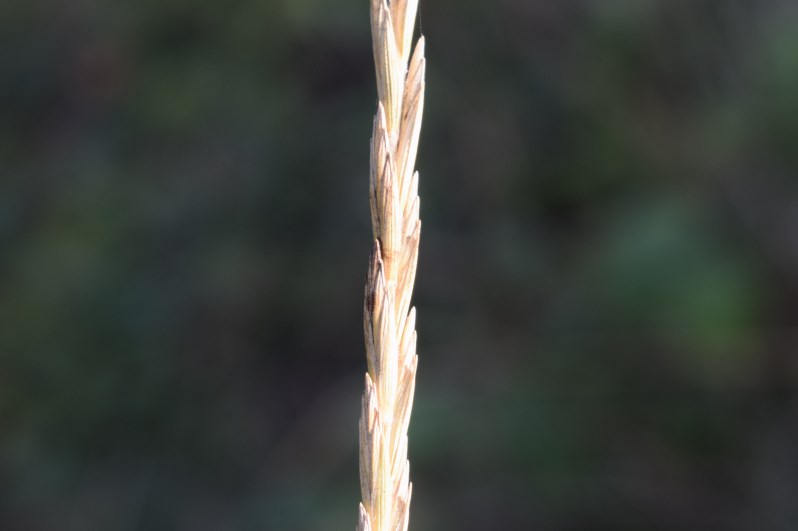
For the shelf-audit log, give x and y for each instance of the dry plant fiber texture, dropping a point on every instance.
(389, 322)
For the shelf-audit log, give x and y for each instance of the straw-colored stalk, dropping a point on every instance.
(388, 320)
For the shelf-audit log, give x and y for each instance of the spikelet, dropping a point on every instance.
(388, 320)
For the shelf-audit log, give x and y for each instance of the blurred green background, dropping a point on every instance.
(607, 289)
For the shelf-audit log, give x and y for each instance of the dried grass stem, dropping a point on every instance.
(388, 320)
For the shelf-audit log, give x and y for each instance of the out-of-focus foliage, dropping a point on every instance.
(607, 292)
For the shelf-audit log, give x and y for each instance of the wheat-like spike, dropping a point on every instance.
(388, 320)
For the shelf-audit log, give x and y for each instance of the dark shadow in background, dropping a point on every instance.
(607, 292)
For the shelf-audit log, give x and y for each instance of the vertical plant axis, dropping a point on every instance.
(388, 320)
